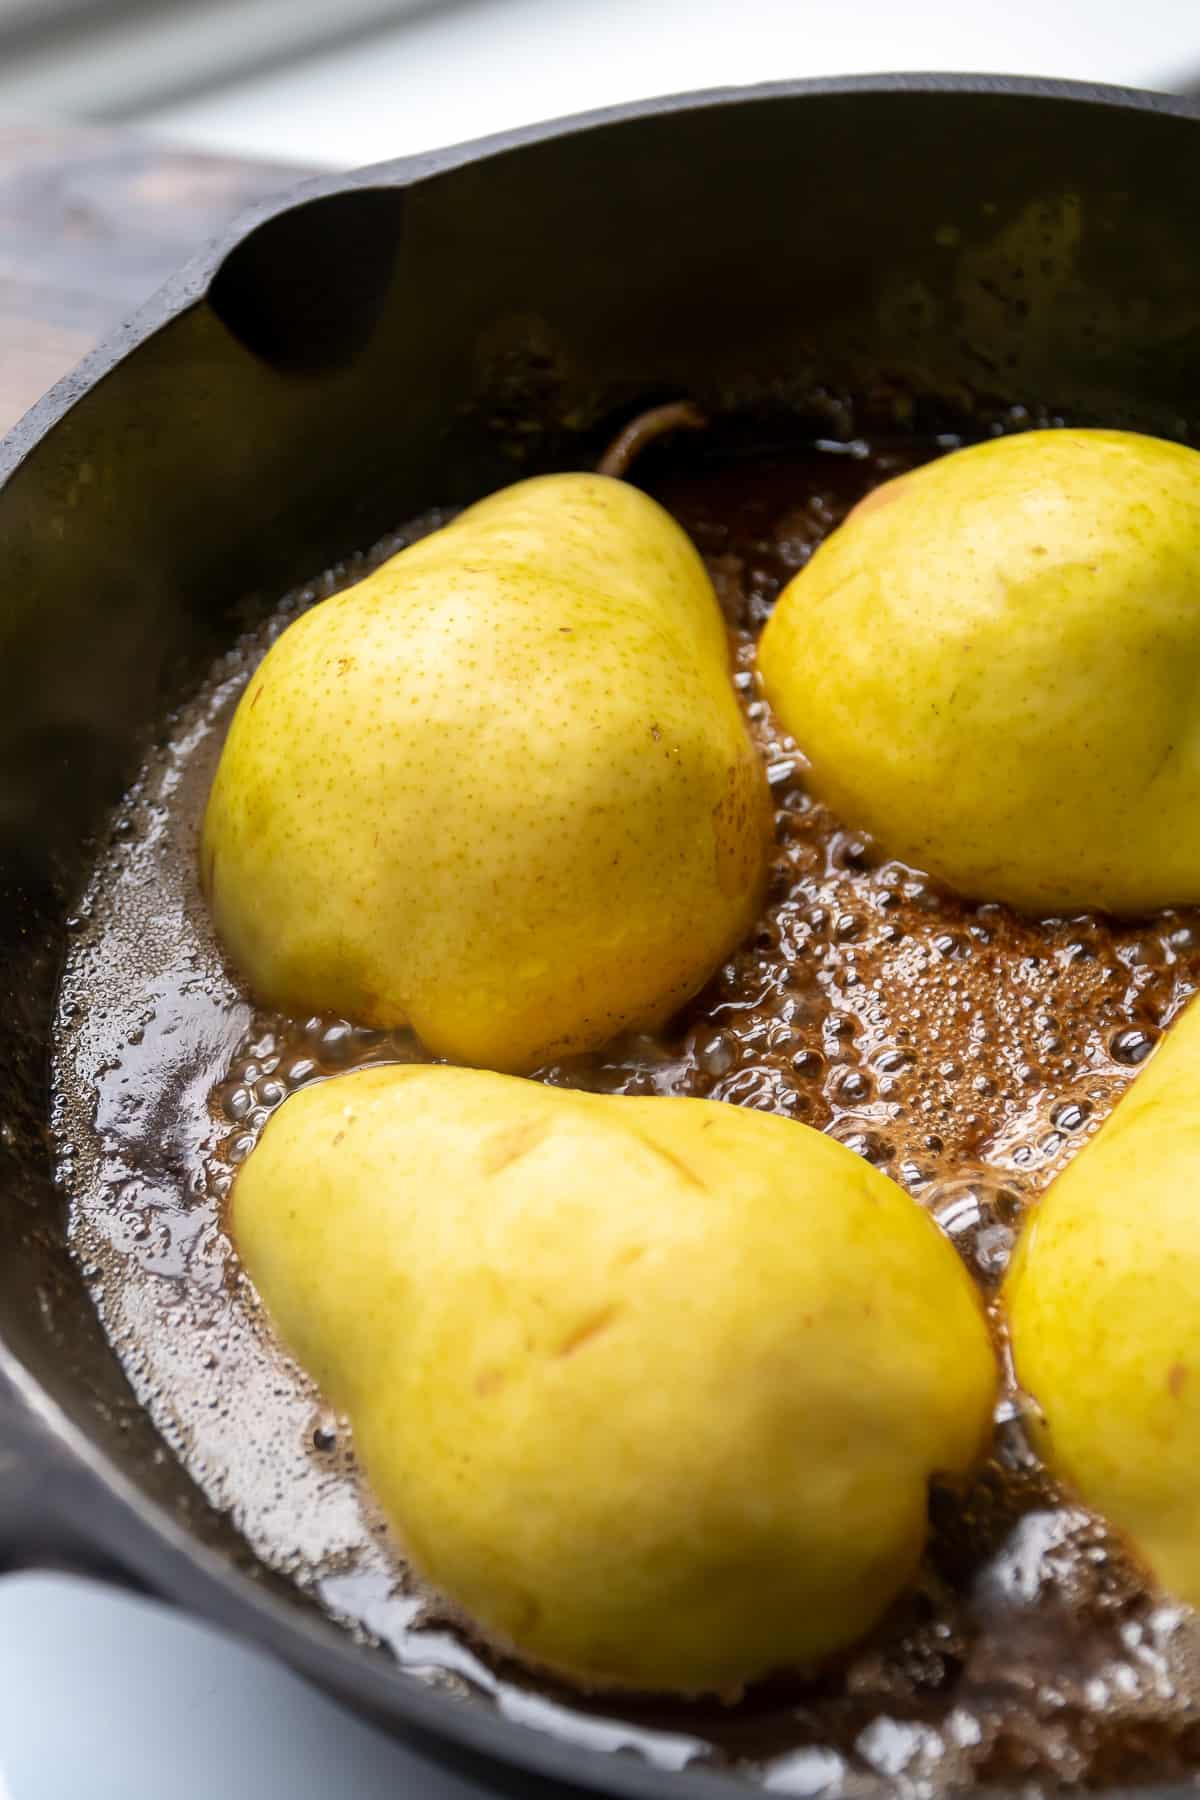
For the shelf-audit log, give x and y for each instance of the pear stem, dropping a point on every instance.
(632, 439)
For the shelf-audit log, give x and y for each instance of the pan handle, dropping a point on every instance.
(53, 1502)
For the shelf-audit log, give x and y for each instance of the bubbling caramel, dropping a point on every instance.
(965, 1050)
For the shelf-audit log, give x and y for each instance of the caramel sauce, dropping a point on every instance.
(965, 1050)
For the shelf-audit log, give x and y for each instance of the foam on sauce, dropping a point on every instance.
(968, 1052)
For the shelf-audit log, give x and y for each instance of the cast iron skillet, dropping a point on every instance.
(417, 334)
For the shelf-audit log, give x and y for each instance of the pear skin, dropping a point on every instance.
(650, 1390)
(501, 790)
(993, 666)
(1104, 1322)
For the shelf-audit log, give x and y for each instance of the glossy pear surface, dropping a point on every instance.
(650, 1389)
(500, 790)
(1104, 1318)
(993, 666)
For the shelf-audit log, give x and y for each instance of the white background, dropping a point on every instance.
(462, 70)
(103, 1698)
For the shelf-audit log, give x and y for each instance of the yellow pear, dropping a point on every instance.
(993, 667)
(500, 790)
(1104, 1321)
(650, 1390)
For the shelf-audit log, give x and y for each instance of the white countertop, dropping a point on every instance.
(457, 71)
(103, 1697)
